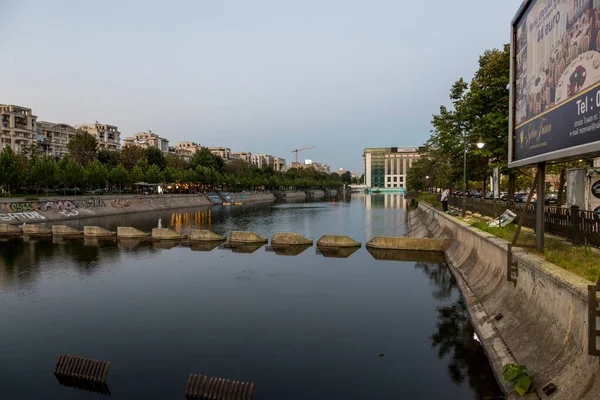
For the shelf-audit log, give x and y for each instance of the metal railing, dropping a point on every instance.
(576, 225)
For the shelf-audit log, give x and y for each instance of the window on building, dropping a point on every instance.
(389, 179)
(395, 185)
(395, 179)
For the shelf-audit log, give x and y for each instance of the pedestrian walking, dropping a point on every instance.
(444, 200)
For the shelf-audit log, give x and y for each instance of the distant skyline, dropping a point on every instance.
(266, 76)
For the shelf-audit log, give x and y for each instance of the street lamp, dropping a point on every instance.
(427, 183)
(480, 145)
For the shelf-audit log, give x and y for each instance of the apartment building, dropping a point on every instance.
(223, 152)
(19, 127)
(279, 164)
(147, 140)
(242, 155)
(108, 136)
(54, 137)
(186, 149)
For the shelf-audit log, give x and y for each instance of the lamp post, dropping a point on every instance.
(480, 145)
(427, 183)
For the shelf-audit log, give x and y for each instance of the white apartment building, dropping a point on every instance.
(223, 152)
(242, 155)
(19, 127)
(146, 140)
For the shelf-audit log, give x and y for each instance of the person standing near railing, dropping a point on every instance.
(444, 200)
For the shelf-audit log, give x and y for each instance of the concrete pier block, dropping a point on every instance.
(130, 233)
(36, 230)
(63, 230)
(165, 234)
(202, 235)
(337, 241)
(9, 230)
(96, 232)
(408, 243)
(289, 239)
(246, 237)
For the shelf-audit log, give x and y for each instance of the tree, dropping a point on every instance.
(71, 173)
(176, 161)
(207, 159)
(153, 174)
(560, 169)
(119, 175)
(44, 172)
(110, 158)
(137, 174)
(83, 148)
(156, 157)
(10, 170)
(96, 174)
(130, 155)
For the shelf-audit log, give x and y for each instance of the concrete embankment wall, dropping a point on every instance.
(44, 209)
(253, 197)
(540, 321)
(316, 194)
(293, 195)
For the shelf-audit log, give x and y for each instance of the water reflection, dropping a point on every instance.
(288, 250)
(336, 252)
(455, 337)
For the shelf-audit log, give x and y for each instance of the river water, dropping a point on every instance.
(311, 326)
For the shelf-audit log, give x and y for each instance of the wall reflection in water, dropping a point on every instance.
(455, 339)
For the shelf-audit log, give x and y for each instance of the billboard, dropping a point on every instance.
(555, 75)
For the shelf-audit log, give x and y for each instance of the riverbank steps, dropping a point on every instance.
(165, 234)
(246, 237)
(286, 238)
(539, 321)
(202, 235)
(96, 232)
(337, 241)
(130, 232)
(63, 230)
(407, 243)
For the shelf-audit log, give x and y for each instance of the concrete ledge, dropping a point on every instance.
(36, 230)
(337, 241)
(129, 232)
(407, 243)
(202, 235)
(540, 321)
(9, 230)
(63, 230)
(246, 237)
(96, 232)
(165, 234)
(290, 239)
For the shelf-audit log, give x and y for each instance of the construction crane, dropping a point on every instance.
(299, 150)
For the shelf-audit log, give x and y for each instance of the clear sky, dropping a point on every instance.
(265, 76)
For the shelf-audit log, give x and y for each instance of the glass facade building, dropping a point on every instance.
(387, 167)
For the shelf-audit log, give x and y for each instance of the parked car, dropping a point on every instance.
(488, 195)
(519, 197)
(526, 196)
(504, 196)
(551, 198)
(99, 191)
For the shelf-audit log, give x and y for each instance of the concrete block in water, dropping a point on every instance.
(96, 232)
(289, 239)
(202, 235)
(129, 232)
(409, 243)
(246, 237)
(165, 234)
(63, 230)
(9, 230)
(337, 241)
(36, 230)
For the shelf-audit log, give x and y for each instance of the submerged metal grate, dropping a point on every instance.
(81, 368)
(203, 388)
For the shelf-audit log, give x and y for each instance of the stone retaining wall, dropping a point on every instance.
(540, 321)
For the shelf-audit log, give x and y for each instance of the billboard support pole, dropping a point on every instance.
(524, 210)
(539, 217)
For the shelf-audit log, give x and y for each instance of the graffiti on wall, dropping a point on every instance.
(21, 211)
(21, 216)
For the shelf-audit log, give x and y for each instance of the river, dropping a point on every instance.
(299, 327)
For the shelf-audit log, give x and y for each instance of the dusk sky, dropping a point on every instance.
(265, 76)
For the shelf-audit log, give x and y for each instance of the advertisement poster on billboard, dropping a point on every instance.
(556, 70)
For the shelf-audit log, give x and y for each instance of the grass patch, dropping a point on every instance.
(581, 260)
(430, 199)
